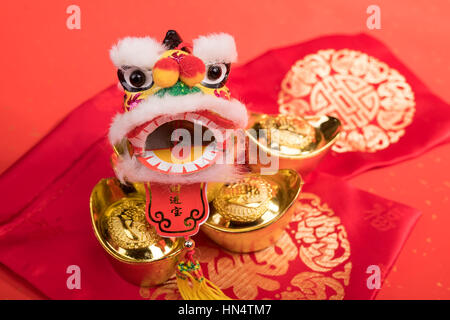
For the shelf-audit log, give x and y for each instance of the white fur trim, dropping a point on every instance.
(139, 52)
(156, 106)
(215, 48)
(131, 170)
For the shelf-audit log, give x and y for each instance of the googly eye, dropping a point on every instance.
(135, 79)
(216, 75)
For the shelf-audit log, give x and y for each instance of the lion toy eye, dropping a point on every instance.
(134, 79)
(216, 75)
(137, 78)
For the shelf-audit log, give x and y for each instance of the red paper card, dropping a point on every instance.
(176, 210)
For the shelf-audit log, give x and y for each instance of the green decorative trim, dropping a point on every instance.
(179, 89)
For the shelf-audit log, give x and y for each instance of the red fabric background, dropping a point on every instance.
(53, 230)
(48, 225)
(43, 45)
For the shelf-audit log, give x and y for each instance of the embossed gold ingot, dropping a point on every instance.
(299, 143)
(244, 201)
(135, 250)
(253, 234)
(294, 135)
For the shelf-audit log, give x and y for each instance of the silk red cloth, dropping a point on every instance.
(360, 81)
(337, 231)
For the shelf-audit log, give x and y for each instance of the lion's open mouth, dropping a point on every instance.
(182, 143)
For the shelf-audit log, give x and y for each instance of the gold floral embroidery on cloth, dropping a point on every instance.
(315, 236)
(373, 101)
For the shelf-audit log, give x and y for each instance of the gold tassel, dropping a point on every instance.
(191, 282)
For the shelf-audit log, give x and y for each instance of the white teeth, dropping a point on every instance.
(150, 128)
(206, 159)
(209, 154)
(139, 140)
(189, 167)
(164, 166)
(160, 121)
(177, 168)
(153, 161)
(136, 141)
(191, 117)
(203, 121)
(212, 125)
(201, 162)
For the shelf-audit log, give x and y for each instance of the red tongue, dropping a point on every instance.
(176, 210)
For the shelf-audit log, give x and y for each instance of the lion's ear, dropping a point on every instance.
(138, 52)
(215, 48)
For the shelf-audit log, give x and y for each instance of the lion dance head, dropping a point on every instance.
(174, 91)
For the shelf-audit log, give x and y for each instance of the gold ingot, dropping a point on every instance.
(135, 250)
(295, 135)
(244, 201)
(299, 143)
(253, 234)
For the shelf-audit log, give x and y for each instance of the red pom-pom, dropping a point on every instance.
(166, 64)
(192, 70)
